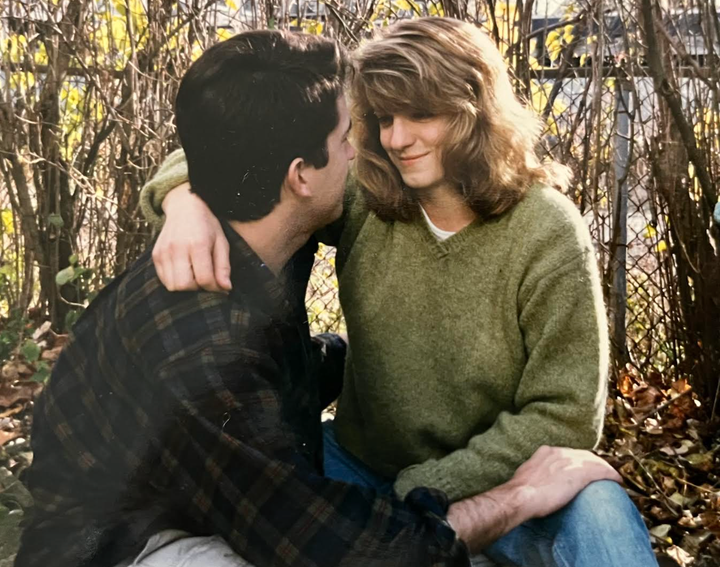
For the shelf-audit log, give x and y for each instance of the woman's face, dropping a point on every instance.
(414, 144)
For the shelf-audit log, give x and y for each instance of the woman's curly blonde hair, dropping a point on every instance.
(442, 66)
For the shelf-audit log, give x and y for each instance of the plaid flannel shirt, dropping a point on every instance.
(200, 411)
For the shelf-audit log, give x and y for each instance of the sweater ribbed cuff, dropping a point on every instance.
(425, 475)
(172, 173)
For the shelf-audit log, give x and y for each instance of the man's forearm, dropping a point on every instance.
(484, 518)
(172, 173)
(543, 484)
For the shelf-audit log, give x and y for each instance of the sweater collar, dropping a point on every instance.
(442, 248)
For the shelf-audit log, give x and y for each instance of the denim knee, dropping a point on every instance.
(606, 502)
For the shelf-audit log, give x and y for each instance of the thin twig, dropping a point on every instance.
(643, 416)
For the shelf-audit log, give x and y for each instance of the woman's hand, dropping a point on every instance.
(191, 251)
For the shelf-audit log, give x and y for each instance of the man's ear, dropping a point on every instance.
(298, 179)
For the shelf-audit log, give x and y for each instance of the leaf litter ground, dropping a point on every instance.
(657, 435)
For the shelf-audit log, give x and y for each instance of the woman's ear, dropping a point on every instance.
(299, 178)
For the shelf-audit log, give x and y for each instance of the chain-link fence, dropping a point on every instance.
(635, 184)
(629, 93)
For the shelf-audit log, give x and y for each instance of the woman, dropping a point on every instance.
(470, 290)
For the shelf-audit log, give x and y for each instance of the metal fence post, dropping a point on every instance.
(623, 99)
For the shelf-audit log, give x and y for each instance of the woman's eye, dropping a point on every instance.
(385, 120)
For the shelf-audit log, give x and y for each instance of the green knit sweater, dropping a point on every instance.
(465, 355)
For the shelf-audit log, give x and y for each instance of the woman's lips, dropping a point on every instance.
(410, 160)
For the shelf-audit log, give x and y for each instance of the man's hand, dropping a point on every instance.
(191, 251)
(553, 476)
(543, 484)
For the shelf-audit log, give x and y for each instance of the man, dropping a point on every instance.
(183, 429)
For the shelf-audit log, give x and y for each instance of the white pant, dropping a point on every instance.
(176, 548)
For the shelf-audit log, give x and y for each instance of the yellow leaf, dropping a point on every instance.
(22, 81)
(74, 98)
(40, 56)
(7, 221)
(139, 17)
(99, 111)
(650, 231)
(554, 50)
(552, 37)
(15, 47)
(197, 51)
(230, 4)
(313, 27)
(436, 10)
(224, 33)
(121, 7)
(137, 8)
(118, 29)
(661, 246)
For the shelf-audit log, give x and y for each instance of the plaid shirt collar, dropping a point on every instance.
(249, 275)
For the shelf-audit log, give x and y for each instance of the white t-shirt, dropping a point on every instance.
(439, 233)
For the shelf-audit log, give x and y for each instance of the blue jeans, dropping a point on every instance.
(600, 527)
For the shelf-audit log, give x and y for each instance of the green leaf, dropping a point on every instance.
(661, 531)
(64, 276)
(56, 220)
(71, 318)
(73, 259)
(30, 350)
(42, 373)
(681, 500)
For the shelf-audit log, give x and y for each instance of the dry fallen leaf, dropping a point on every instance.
(625, 385)
(711, 520)
(7, 436)
(15, 370)
(661, 514)
(52, 354)
(11, 412)
(701, 461)
(11, 394)
(668, 484)
(648, 397)
(680, 555)
(42, 330)
(60, 340)
(692, 543)
(680, 386)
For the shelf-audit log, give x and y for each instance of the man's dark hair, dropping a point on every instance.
(248, 107)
